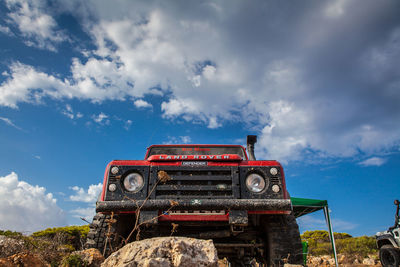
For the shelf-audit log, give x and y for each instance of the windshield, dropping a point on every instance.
(196, 150)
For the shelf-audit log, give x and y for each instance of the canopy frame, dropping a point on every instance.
(303, 206)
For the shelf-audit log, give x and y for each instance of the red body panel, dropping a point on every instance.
(223, 157)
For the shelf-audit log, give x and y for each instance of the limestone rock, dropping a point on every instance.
(316, 260)
(23, 259)
(368, 261)
(10, 246)
(92, 257)
(165, 251)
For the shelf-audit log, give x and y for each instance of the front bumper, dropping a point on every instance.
(195, 204)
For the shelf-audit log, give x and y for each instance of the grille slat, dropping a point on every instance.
(203, 183)
(200, 178)
(193, 187)
(190, 197)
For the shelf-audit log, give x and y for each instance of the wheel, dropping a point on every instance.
(389, 256)
(103, 234)
(283, 243)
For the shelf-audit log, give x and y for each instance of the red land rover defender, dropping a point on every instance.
(203, 191)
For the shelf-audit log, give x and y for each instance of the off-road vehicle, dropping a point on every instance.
(213, 192)
(389, 243)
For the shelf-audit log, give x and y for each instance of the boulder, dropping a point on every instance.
(10, 246)
(92, 257)
(165, 251)
(23, 259)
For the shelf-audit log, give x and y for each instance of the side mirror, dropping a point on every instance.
(396, 202)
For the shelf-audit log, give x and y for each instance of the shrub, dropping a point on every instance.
(73, 260)
(80, 231)
(72, 235)
(319, 243)
(11, 234)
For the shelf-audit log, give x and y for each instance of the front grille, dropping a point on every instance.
(199, 183)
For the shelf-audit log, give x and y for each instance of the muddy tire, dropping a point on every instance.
(102, 231)
(389, 256)
(283, 243)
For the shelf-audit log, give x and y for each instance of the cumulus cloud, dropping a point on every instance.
(39, 28)
(140, 103)
(374, 161)
(89, 196)
(308, 90)
(85, 213)
(27, 208)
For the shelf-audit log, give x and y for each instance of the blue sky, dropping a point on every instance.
(83, 83)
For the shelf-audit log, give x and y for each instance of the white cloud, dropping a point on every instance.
(39, 28)
(86, 213)
(213, 123)
(68, 111)
(140, 103)
(5, 30)
(317, 222)
(27, 208)
(128, 124)
(10, 123)
(25, 84)
(374, 161)
(101, 118)
(178, 140)
(89, 196)
(282, 84)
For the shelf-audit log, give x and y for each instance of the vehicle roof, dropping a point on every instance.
(194, 145)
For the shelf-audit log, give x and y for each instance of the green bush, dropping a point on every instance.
(73, 260)
(69, 235)
(12, 234)
(319, 243)
(80, 231)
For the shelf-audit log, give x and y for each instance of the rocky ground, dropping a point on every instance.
(165, 251)
(343, 260)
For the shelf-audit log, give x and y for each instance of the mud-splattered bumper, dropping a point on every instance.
(196, 204)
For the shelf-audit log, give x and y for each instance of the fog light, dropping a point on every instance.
(112, 187)
(273, 171)
(114, 170)
(275, 188)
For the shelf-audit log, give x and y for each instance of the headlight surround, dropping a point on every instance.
(133, 182)
(255, 183)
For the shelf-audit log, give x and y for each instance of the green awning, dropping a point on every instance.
(303, 206)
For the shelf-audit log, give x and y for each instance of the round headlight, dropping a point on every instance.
(133, 182)
(255, 183)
